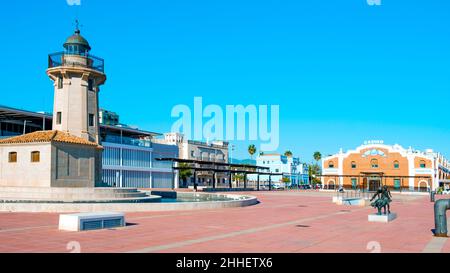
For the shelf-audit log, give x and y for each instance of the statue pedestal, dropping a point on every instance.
(382, 218)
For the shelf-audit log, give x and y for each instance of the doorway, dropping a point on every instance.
(374, 184)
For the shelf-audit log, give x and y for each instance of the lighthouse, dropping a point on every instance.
(77, 76)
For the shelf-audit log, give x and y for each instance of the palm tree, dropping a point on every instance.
(252, 150)
(313, 171)
(317, 157)
(286, 181)
(185, 172)
(238, 177)
(288, 153)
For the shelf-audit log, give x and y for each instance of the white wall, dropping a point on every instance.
(24, 173)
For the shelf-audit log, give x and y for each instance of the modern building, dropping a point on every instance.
(108, 118)
(130, 159)
(216, 151)
(374, 164)
(290, 168)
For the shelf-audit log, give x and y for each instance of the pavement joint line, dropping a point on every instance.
(233, 234)
(165, 215)
(23, 229)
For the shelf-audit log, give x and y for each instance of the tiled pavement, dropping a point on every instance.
(283, 222)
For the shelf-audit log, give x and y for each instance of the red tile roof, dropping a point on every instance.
(47, 136)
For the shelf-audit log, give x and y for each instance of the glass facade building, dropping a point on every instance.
(127, 166)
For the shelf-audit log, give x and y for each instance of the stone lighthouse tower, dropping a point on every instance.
(77, 77)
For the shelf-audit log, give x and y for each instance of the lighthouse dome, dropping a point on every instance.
(77, 44)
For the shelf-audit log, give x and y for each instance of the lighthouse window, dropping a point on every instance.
(91, 85)
(58, 118)
(60, 82)
(91, 120)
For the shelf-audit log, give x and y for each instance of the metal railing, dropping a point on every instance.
(59, 59)
(353, 194)
(127, 141)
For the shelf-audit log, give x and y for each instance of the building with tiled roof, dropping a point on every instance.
(48, 159)
(48, 136)
(376, 164)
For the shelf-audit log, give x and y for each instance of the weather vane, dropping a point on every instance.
(77, 25)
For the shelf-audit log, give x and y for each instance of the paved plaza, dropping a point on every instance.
(293, 222)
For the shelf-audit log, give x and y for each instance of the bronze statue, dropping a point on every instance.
(383, 201)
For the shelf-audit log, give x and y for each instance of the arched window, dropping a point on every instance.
(35, 156)
(423, 164)
(330, 164)
(396, 164)
(12, 157)
(353, 165)
(374, 163)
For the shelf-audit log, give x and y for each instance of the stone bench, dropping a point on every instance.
(91, 221)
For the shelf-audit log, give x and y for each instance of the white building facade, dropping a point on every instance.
(289, 167)
(215, 151)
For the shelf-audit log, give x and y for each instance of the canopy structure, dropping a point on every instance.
(220, 167)
(12, 119)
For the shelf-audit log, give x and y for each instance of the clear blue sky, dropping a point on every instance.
(341, 71)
